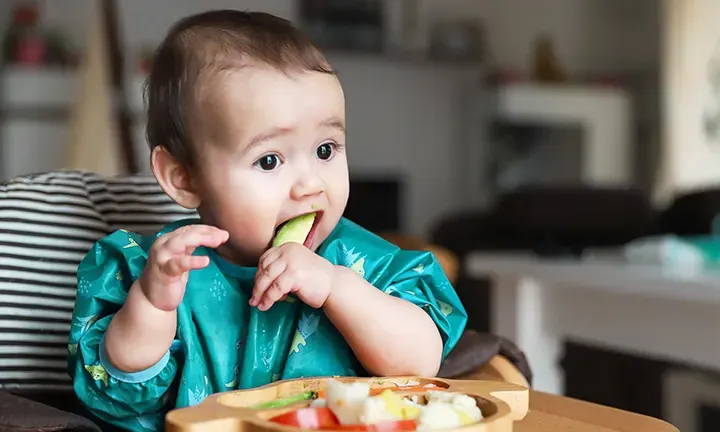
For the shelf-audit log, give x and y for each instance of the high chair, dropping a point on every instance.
(138, 204)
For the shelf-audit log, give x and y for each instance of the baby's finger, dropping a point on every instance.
(163, 239)
(280, 287)
(168, 243)
(190, 237)
(268, 257)
(264, 279)
(180, 264)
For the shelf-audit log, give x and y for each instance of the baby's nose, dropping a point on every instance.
(308, 184)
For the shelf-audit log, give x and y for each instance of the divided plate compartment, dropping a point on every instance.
(501, 405)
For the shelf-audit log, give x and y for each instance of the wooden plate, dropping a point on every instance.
(501, 404)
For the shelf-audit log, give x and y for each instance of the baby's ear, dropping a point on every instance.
(174, 178)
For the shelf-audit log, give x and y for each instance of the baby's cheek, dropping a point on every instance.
(249, 211)
(247, 223)
(253, 225)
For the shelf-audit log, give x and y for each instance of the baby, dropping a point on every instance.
(246, 121)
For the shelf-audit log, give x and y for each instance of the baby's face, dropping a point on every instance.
(274, 149)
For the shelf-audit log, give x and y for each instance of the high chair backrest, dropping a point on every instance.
(48, 222)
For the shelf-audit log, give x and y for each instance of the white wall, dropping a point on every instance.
(408, 115)
(691, 158)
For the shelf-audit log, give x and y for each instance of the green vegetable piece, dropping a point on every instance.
(283, 402)
(295, 230)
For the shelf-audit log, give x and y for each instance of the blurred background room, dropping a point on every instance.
(566, 152)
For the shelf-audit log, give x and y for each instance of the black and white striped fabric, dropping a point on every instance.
(47, 224)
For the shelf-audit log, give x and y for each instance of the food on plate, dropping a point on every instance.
(283, 402)
(308, 418)
(446, 410)
(356, 406)
(346, 400)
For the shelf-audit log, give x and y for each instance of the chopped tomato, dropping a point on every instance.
(324, 419)
(308, 418)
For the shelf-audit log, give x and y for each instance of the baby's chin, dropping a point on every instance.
(327, 225)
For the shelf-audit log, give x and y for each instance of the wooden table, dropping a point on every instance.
(552, 413)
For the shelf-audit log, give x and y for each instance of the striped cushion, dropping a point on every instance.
(47, 224)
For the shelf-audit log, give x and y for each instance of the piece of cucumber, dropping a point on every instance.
(283, 402)
(295, 230)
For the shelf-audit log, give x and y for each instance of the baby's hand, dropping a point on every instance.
(171, 259)
(292, 268)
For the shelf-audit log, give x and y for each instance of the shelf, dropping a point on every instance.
(559, 104)
(37, 87)
(46, 93)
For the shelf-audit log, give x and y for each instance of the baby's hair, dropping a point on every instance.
(201, 46)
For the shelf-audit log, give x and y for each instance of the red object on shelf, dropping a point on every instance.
(30, 51)
(24, 41)
(26, 13)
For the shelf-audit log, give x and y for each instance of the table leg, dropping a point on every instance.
(523, 311)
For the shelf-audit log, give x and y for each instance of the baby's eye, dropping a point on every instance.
(325, 151)
(268, 162)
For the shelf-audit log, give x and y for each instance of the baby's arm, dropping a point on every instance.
(389, 336)
(139, 334)
(105, 285)
(121, 360)
(142, 331)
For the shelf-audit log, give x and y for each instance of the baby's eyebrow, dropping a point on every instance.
(273, 133)
(334, 122)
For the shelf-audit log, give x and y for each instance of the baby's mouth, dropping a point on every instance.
(311, 234)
